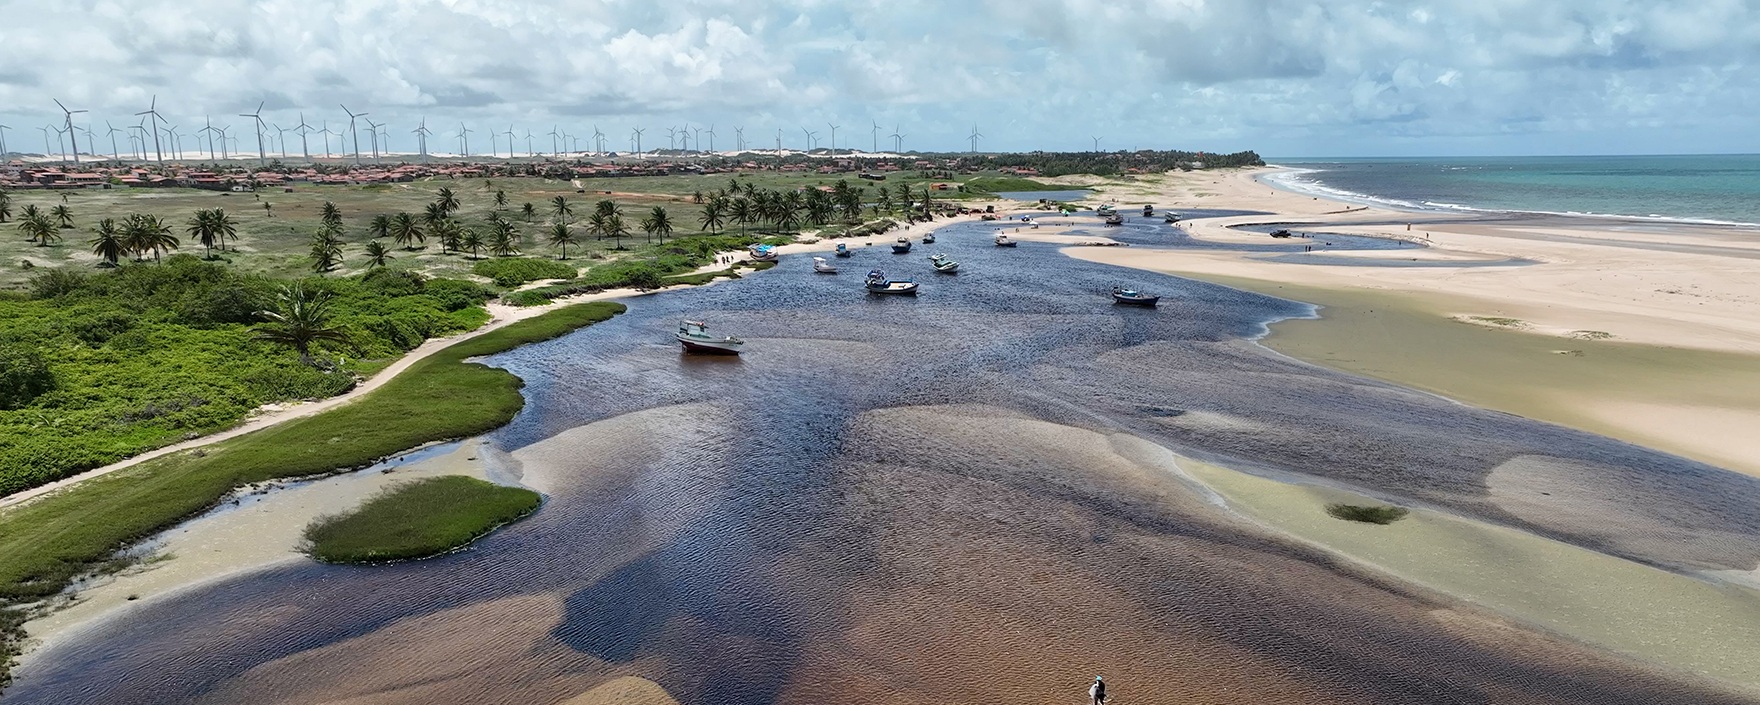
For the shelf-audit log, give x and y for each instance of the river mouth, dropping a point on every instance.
(949, 497)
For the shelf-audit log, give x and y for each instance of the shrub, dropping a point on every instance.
(1368, 515)
(456, 294)
(56, 282)
(514, 271)
(395, 282)
(24, 375)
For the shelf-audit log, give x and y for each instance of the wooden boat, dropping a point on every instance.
(1114, 220)
(903, 246)
(1148, 211)
(823, 266)
(928, 238)
(878, 283)
(1132, 297)
(843, 250)
(763, 253)
(942, 264)
(695, 337)
(1003, 241)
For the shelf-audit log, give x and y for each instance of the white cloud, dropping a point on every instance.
(1283, 76)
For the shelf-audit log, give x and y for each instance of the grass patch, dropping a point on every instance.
(1498, 321)
(1591, 334)
(702, 277)
(1367, 515)
(44, 544)
(514, 271)
(418, 519)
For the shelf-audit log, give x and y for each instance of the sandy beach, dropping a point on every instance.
(1639, 330)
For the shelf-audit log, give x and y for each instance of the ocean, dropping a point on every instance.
(1722, 189)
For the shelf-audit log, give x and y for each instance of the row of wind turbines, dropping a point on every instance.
(152, 128)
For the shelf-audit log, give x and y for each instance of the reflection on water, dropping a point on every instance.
(930, 500)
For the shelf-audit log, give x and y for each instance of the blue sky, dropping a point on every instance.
(1344, 78)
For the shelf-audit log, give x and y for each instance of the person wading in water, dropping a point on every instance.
(1097, 691)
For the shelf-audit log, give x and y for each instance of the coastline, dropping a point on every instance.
(1646, 334)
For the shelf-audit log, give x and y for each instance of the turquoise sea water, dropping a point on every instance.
(1713, 188)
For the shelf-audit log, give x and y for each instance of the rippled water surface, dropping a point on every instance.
(937, 499)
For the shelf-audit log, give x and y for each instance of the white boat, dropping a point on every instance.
(1003, 241)
(878, 283)
(764, 253)
(822, 266)
(695, 337)
(942, 264)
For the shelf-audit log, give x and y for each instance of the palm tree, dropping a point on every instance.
(904, 196)
(268, 210)
(788, 211)
(377, 253)
(331, 215)
(225, 228)
(380, 227)
(561, 209)
(819, 207)
(44, 231)
(326, 252)
(529, 211)
(884, 202)
(471, 242)
(697, 197)
(146, 233)
(5, 206)
(446, 200)
(712, 213)
(447, 231)
(561, 236)
(503, 238)
(657, 223)
(64, 214)
(741, 212)
(500, 199)
(35, 226)
(607, 207)
(107, 244)
(616, 229)
(203, 228)
(432, 214)
(596, 225)
(406, 231)
(301, 319)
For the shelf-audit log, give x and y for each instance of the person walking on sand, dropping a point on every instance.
(1097, 691)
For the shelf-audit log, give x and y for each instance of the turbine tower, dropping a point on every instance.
(326, 132)
(373, 134)
(974, 137)
(599, 139)
(152, 112)
(876, 136)
(351, 130)
(739, 139)
(529, 152)
(464, 140)
(711, 139)
(555, 145)
(303, 129)
(509, 134)
(257, 115)
(210, 130)
(421, 133)
(897, 140)
(115, 153)
(70, 136)
(1096, 144)
(3, 152)
(384, 140)
(833, 138)
(638, 133)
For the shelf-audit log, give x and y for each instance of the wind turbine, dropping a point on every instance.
(778, 143)
(529, 152)
(327, 133)
(1096, 144)
(697, 137)
(152, 112)
(555, 145)
(70, 136)
(599, 139)
(373, 134)
(812, 139)
(711, 139)
(3, 152)
(115, 153)
(897, 140)
(351, 130)
(176, 141)
(464, 139)
(833, 138)
(638, 134)
(974, 137)
(876, 136)
(509, 134)
(671, 138)
(176, 148)
(421, 133)
(48, 151)
(225, 152)
(739, 139)
(91, 141)
(384, 140)
(302, 129)
(262, 157)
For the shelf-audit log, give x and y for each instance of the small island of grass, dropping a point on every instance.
(1368, 515)
(418, 519)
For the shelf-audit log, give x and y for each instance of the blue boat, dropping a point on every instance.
(842, 250)
(764, 253)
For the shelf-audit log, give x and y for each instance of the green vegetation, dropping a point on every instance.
(1367, 515)
(96, 368)
(45, 543)
(511, 272)
(418, 519)
(649, 268)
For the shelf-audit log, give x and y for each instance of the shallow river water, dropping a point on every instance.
(960, 497)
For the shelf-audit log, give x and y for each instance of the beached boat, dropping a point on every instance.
(878, 283)
(943, 264)
(1003, 241)
(695, 337)
(843, 250)
(1170, 217)
(1103, 211)
(1148, 211)
(1132, 297)
(928, 238)
(1114, 219)
(823, 266)
(1280, 233)
(764, 253)
(902, 246)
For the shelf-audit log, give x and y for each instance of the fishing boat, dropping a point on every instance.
(942, 264)
(1003, 241)
(823, 266)
(1148, 211)
(928, 238)
(843, 250)
(764, 253)
(1170, 217)
(695, 337)
(1132, 297)
(902, 246)
(1114, 220)
(879, 284)
(1103, 211)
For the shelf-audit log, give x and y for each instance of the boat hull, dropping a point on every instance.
(1005, 244)
(710, 347)
(1144, 301)
(894, 289)
(901, 249)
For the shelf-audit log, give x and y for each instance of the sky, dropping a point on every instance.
(1285, 78)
